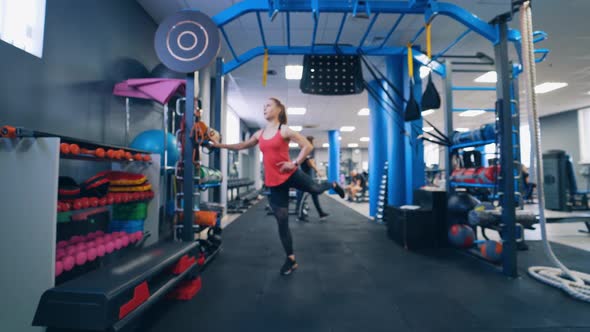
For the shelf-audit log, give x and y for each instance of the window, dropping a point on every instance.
(232, 128)
(584, 133)
(22, 24)
(431, 154)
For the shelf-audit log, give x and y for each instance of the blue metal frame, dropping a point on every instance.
(474, 108)
(473, 88)
(428, 8)
(473, 185)
(395, 25)
(471, 144)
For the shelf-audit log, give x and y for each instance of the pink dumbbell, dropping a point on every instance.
(59, 268)
(109, 247)
(81, 258)
(108, 238)
(139, 235)
(60, 252)
(71, 250)
(118, 244)
(100, 250)
(99, 233)
(91, 254)
(125, 240)
(99, 240)
(90, 236)
(81, 246)
(62, 244)
(90, 244)
(68, 263)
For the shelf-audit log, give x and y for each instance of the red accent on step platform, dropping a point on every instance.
(140, 294)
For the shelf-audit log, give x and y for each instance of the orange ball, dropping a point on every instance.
(120, 154)
(138, 157)
(147, 157)
(99, 153)
(74, 149)
(128, 155)
(110, 153)
(64, 148)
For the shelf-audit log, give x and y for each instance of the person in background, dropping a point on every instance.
(309, 167)
(357, 184)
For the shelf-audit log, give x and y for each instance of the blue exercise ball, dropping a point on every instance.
(153, 141)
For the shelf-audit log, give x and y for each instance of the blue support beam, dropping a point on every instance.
(378, 144)
(288, 29)
(341, 28)
(368, 30)
(231, 48)
(390, 32)
(473, 88)
(316, 19)
(417, 35)
(334, 157)
(444, 51)
(396, 195)
(459, 109)
(261, 29)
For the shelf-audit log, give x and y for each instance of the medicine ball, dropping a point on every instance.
(461, 202)
(461, 236)
(491, 250)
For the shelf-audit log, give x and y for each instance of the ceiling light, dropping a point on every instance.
(461, 130)
(296, 128)
(364, 112)
(293, 145)
(357, 151)
(549, 86)
(325, 145)
(339, 138)
(296, 110)
(427, 112)
(427, 129)
(353, 145)
(347, 128)
(293, 72)
(472, 113)
(469, 149)
(489, 77)
(424, 71)
(365, 139)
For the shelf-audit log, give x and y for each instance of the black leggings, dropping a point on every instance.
(279, 202)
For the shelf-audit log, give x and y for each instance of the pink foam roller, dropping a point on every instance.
(59, 268)
(68, 263)
(81, 258)
(71, 250)
(100, 250)
(118, 244)
(91, 254)
(62, 244)
(109, 247)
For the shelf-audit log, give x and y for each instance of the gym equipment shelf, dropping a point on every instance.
(110, 297)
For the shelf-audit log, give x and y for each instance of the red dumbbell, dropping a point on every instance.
(102, 201)
(85, 202)
(110, 199)
(77, 205)
(93, 201)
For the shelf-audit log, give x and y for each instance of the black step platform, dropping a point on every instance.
(110, 297)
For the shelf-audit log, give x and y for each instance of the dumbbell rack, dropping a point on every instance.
(29, 171)
(382, 200)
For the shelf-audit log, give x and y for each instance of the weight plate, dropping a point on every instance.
(187, 41)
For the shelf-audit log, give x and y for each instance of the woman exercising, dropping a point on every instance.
(280, 173)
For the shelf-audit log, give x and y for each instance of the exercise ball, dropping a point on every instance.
(461, 236)
(462, 203)
(491, 250)
(153, 141)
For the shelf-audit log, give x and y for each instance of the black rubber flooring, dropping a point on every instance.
(353, 278)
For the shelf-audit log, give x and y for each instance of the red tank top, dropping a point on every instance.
(274, 150)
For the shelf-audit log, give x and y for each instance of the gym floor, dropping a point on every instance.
(353, 278)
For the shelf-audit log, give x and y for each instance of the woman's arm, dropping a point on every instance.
(252, 141)
(312, 165)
